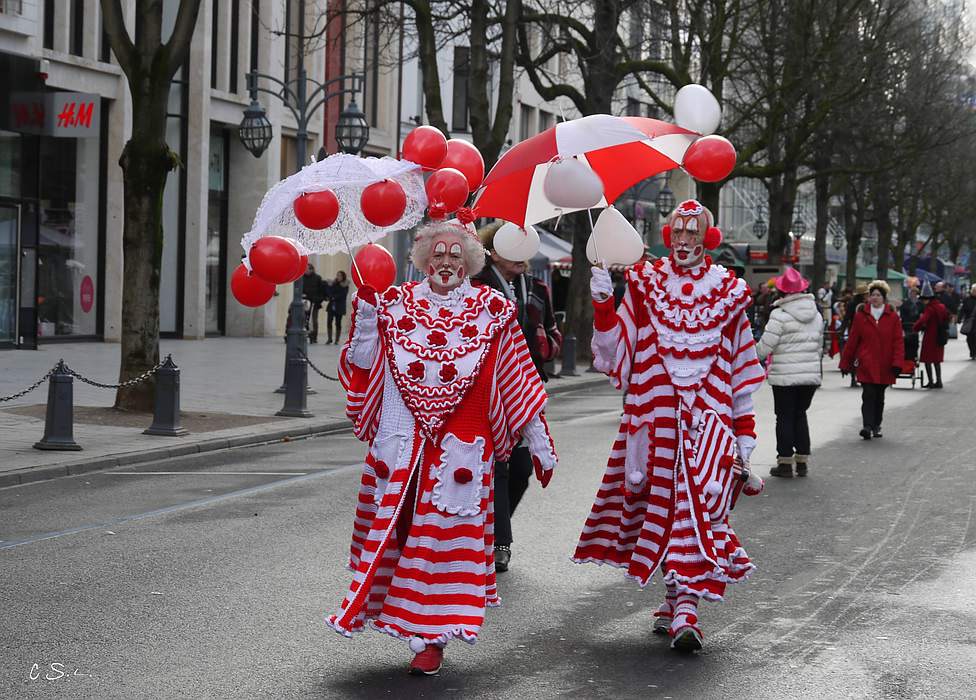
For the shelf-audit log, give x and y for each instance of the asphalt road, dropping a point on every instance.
(209, 577)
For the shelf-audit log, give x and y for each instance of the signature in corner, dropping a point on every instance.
(53, 672)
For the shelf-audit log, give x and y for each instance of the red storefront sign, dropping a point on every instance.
(86, 294)
(63, 114)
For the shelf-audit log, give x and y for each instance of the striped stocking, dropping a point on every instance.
(685, 613)
(670, 600)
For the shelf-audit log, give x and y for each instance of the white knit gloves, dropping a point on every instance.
(601, 286)
(365, 339)
(536, 438)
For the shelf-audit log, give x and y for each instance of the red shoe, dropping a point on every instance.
(428, 662)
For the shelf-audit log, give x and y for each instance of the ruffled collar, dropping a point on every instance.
(695, 272)
(452, 299)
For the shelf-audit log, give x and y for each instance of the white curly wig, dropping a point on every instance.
(471, 248)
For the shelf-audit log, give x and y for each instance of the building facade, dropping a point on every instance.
(65, 116)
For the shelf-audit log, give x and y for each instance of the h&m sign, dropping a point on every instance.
(64, 114)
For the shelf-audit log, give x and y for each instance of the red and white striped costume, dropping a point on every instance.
(449, 388)
(680, 346)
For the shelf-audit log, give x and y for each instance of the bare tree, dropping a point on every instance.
(149, 65)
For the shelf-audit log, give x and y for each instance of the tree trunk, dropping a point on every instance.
(430, 76)
(579, 310)
(709, 194)
(853, 224)
(782, 195)
(882, 216)
(822, 185)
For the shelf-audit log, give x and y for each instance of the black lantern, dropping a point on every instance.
(759, 227)
(665, 200)
(255, 129)
(799, 227)
(352, 129)
(838, 240)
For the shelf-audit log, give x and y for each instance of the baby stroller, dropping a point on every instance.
(910, 368)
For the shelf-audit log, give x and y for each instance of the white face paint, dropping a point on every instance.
(445, 271)
(687, 241)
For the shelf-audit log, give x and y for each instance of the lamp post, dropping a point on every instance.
(759, 226)
(838, 240)
(665, 198)
(352, 133)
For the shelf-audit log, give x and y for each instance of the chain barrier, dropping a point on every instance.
(316, 369)
(29, 389)
(77, 375)
(129, 382)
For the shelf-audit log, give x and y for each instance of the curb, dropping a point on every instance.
(84, 466)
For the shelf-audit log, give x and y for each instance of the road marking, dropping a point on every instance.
(10, 544)
(206, 473)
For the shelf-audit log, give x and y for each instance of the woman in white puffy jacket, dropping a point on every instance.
(794, 337)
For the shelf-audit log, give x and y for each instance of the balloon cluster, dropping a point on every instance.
(710, 158)
(456, 168)
(274, 260)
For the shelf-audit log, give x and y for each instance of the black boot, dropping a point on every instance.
(783, 468)
(503, 555)
(938, 376)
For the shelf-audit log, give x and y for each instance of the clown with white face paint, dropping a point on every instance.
(681, 348)
(441, 384)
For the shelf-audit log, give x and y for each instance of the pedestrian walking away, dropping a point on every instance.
(681, 348)
(934, 326)
(538, 323)
(968, 316)
(910, 311)
(875, 351)
(794, 339)
(857, 298)
(336, 307)
(440, 384)
(313, 291)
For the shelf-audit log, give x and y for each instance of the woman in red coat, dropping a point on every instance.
(934, 317)
(876, 349)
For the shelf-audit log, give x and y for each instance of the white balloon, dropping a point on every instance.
(614, 241)
(571, 184)
(696, 109)
(515, 243)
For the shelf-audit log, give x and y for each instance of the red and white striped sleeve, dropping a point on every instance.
(364, 387)
(519, 394)
(614, 338)
(747, 375)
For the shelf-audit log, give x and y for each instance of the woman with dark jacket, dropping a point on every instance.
(933, 323)
(875, 351)
(967, 318)
(336, 308)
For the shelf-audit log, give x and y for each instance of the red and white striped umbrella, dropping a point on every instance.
(622, 151)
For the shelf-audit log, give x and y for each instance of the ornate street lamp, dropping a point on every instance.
(665, 200)
(759, 225)
(799, 227)
(838, 240)
(352, 129)
(255, 130)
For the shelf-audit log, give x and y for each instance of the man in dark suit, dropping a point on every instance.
(538, 323)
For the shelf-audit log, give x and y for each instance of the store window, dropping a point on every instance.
(217, 231)
(67, 264)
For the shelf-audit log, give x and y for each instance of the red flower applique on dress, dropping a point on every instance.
(448, 372)
(444, 313)
(437, 338)
(416, 371)
(496, 306)
(406, 324)
(391, 295)
(469, 331)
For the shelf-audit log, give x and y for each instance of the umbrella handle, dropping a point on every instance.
(355, 267)
(596, 249)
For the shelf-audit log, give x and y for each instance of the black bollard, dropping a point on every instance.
(166, 410)
(59, 419)
(569, 357)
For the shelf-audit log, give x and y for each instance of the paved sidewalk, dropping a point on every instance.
(226, 395)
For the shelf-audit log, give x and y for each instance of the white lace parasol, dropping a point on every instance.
(346, 175)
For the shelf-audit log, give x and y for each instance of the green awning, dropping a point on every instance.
(870, 272)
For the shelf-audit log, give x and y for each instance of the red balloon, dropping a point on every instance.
(383, 202)
(464, 156)
(317, 210)
(425, 146)
(709, 159)
(447, 191)
(273, 259)
(249, 289)
(376, 266)
(300, 267)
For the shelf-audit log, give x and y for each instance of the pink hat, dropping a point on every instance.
(791, 282)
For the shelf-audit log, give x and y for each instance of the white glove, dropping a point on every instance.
(601, 286)
(536, 438)
(365, 338)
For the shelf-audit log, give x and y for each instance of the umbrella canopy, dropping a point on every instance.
(622, 151)
(346, 176)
